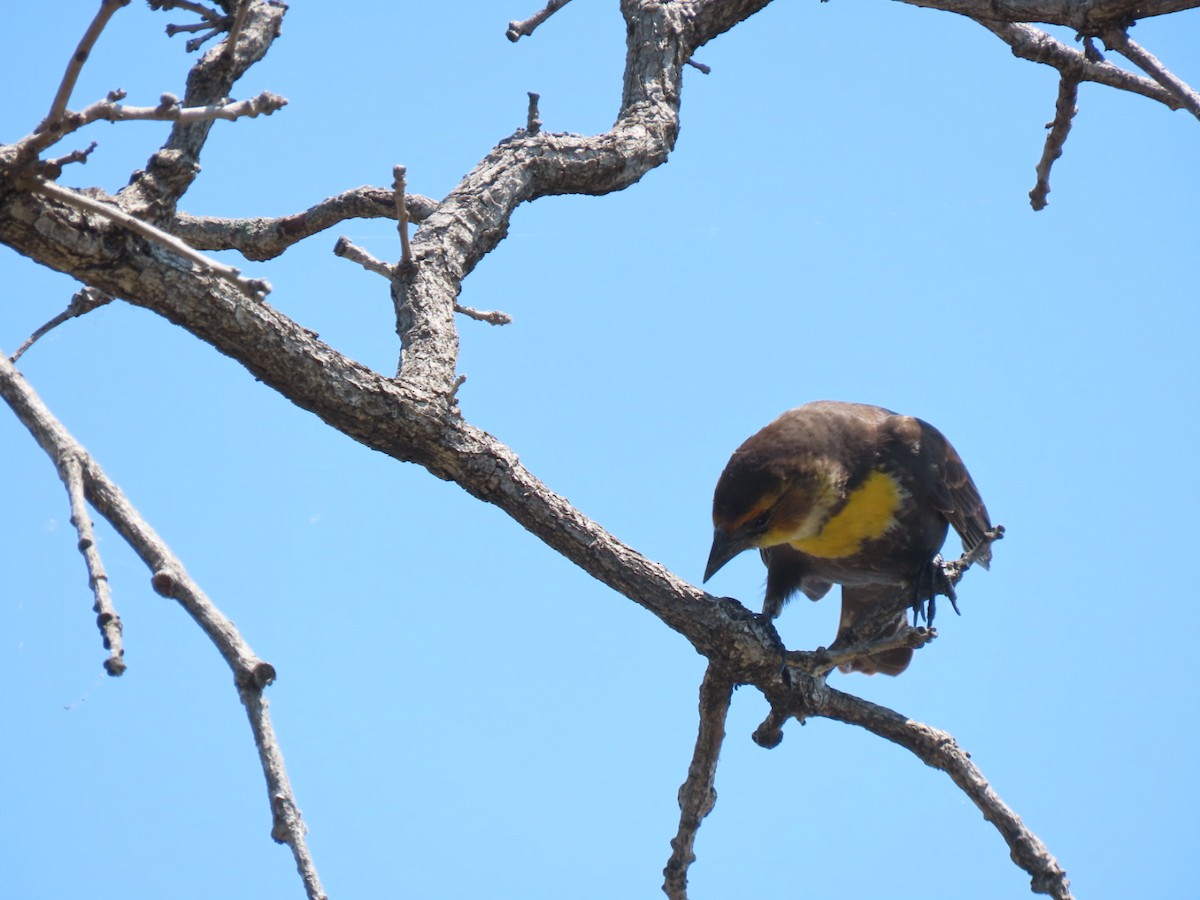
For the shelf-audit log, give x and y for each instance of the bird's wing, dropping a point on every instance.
(942, 475)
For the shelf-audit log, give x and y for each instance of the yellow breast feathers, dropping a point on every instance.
(868, 513)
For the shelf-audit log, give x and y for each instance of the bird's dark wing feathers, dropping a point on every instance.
(943, 474)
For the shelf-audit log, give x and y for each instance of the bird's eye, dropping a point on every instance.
(759, 522)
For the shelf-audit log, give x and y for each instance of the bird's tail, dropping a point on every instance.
(857, 602)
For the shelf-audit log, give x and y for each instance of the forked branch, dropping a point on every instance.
(84, 477)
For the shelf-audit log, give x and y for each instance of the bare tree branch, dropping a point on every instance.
(82, 302)
(351, 251)
(1035, 45)
(255, 288)
(517, 30)
(168, 110)
(940, 751)
(52, 168)
(155, 190)
(84, 476)
(266, 238)
(697, 795)
(1064, 113)
(825, 660)
(107, 618)
(210, 16)
(235, 28)
(348, 250)
(1085, 16)
(75, 66)
(1117, 39)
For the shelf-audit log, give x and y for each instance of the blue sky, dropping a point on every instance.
(463, 712)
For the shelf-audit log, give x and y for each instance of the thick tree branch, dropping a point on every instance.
(1085, 16)
(255, 288)
(169, 578)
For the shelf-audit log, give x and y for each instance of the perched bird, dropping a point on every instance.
(852, 494)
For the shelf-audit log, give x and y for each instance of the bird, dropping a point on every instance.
(853, 494)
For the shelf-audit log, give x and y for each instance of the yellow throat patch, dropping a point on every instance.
(868, 513)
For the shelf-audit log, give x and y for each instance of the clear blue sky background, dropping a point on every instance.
(464, 713)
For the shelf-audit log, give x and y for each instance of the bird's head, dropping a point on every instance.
(761, 502)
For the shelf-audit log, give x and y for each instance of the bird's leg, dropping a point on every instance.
(933, 579)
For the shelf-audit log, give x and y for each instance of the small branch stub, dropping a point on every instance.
(533, 124)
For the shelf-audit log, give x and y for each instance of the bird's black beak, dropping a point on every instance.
(724, 548)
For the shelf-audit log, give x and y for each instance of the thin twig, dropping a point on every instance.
(955, 570)
(516, 30)
(170, 579)
(82, 302)
(697, 796)
(107, 618)
(704, 69)
(235, 29)
(52, 168)
(347, 249)
(59, 105)
(825, 660)
(168, 110)
(205, 12)
(1116, 39)
(197, 42)
(212, 23)
(254, 288)
(190, 28)
(398, 185)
